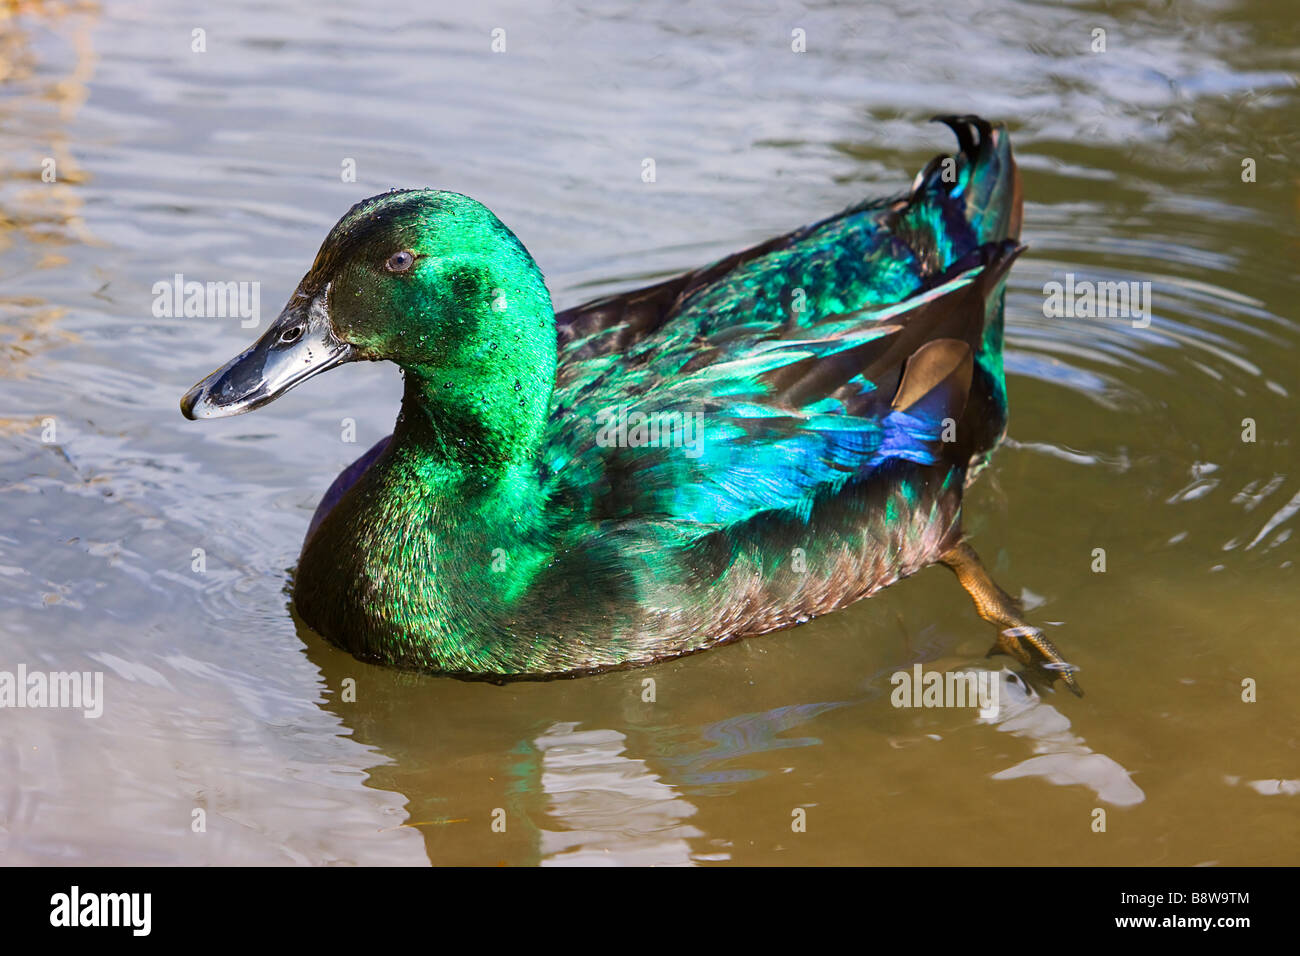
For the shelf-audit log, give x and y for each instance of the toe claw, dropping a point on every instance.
(1031, 647)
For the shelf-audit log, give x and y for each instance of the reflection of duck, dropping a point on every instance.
(1060, 757)
(614, 809)
(728, 452)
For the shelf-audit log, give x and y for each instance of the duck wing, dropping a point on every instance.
(773, 424)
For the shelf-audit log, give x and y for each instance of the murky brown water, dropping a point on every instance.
(225, 165)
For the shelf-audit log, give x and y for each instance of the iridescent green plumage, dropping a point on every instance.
(728, 452)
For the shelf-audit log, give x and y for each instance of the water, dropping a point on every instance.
(225, 165)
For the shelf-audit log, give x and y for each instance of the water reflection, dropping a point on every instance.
(611, 808)
(575, 793)
(41, 206)
(745, 735)
(1061, 757)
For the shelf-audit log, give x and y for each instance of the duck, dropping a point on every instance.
(724, 453)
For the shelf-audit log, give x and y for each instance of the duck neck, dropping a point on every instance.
(483, 413)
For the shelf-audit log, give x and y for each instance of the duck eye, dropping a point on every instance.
(400, 261)
(292, 334)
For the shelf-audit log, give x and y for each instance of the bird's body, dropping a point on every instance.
(729, 452)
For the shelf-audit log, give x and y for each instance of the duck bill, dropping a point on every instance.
(299, 344)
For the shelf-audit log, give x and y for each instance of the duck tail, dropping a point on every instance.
(979, 186)
(960, 203)
(966, 209)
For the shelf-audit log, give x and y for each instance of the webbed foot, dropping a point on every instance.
(1016, 636)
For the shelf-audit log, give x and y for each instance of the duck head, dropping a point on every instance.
(431, 280)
